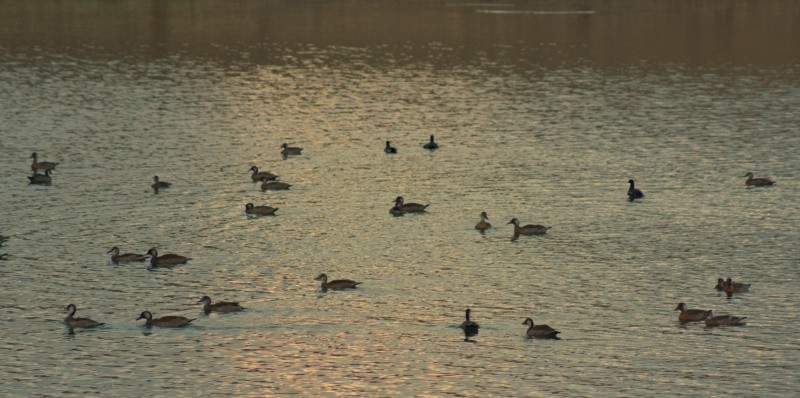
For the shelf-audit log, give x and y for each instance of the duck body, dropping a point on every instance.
(261, 175)
(169, 321)
(220, 306)
(634, 193)
(529, 229)
(158, 184)
(338, 284)
(165, 260)
(687, 315)
(724, 320)
(758, 182)
(483, 224)
(125, 257)
(431, 145)
(469, 326)
(36, 165)
(73, 322)
(290, 150)
(539, 331)
(389, 148)
(260, 210)
(268, 185)
(41, 179)
(399, 202)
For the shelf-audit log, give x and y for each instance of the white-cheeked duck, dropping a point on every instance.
(169, 321)
(73, 322)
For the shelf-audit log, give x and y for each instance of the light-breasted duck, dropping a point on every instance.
(169, 321)
(540, 331)
(431, 145)
(165, 260)
(469, 326)
(691, 315)
(724, 320)
(36, 165)
(634, 193)
(759, 182)
(73, 322)
(267, 185)
(41, 179)
(290, 150)
(220, 306)
(389, 148)
(260, 210)
(261, 175)
(126, 257)
(529, 229)
(337, 284)
(483, 224)
(409, 207)
(158, 184)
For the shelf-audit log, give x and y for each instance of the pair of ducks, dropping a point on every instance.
(400, 207)
(268, 180)
(729, 286)
(41, 178)
(691, 315)
(471, 328)
(152, 254)
(430, 145)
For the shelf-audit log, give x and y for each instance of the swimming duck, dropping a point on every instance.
(337, 284)
(259, 176)
(397, 210)
(540, 331)
(389, 148)
(720, 284)
(268, 185)
(483, 224)
(431, 145)
(260, 210)
(469, 327)
(290, 150)
(167, 259)
(724, 320)
(169, 321)
(530, 229)
(157, 184)
(691, 315)
(634, 193)
(735, 287)
(125, 258)
(36, 165)
(41, 179)
(399, 202)
(78, 322)
(220, 306)
(759, 182)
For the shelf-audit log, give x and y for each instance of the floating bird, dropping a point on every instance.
(431, 145)
(36, 165)
(397, 210)
(220, 306)
(469, 327)
(78, 322)
(389, 148)
(337, 284)
(634, 193)
(127, 257)
(157, 184)
(759, 182)
(41, 179)
(720, 284)
(724, 320)
(399, 202)
(530, 229)
(729, 286)
(540, 331)
(165, 260)
(483, 224)
(169, 321)
(259, 176)
(268, 185)
(290, 150)
(691, 315)
(260, 210)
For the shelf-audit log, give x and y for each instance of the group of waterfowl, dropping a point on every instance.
(47, 167)
(430, 145)
(693, 315)
(471, 328)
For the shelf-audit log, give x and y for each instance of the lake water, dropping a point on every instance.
(543, 111)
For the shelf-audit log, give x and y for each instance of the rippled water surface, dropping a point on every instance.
(541, 113)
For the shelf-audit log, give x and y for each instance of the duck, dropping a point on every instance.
(268, 185)
(759, 182)
(530, 229)
(691, 315)
(260, 175)
(724, 320)
(729, 286)
(720, 284)
(36, 165)
(157, 184)
(125, 258)
(389, 148)
(337, 284)
(469, 327)
(78, 322)
(634, 193)
(220, 306)
(41, 179)
(167, 259)
(431, 145)
(540, 331)
(399, 202)
(290, 150)
(260, 210)
(397, 210)
(483, 224)
(169, 321)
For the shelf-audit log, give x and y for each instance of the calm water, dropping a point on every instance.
(543, 111)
